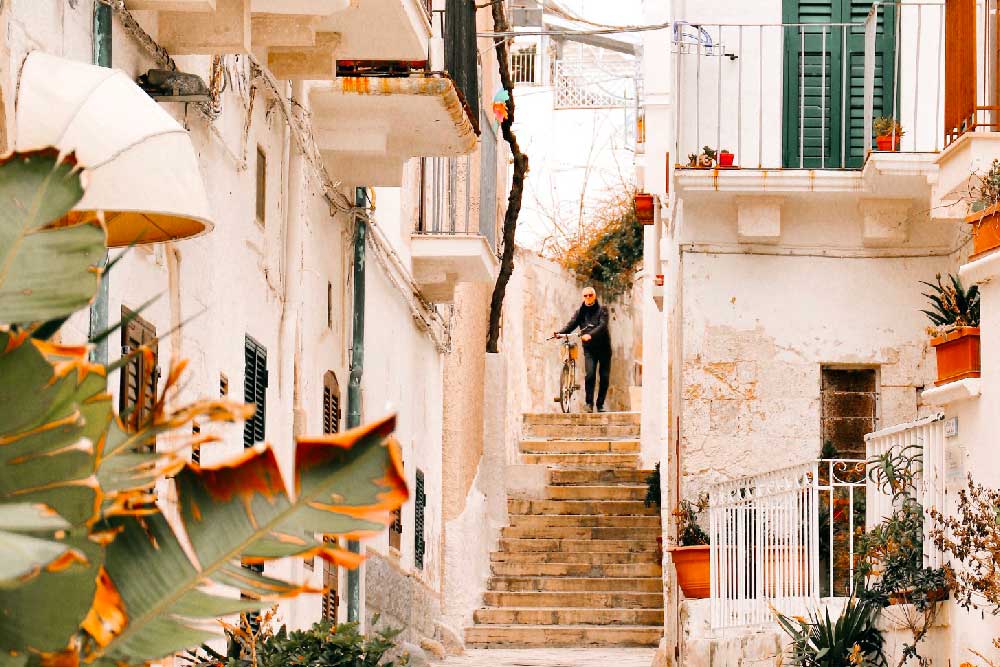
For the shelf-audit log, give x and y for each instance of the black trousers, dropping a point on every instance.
(598, 362)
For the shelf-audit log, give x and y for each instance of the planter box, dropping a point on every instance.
(985, 230)
(693, 570)
(957, 355)
(644, 212)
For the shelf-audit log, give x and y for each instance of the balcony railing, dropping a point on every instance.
(524, 66)
(788, 538)
(804, 95)
(445, 207)
(597, 84)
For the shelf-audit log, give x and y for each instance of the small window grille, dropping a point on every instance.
(139, 376)
(419, 505)
(255, 391)
(223, 385)
(331, 591)
(261, 185)
(331, 403)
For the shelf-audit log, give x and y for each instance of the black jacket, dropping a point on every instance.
(592, 320)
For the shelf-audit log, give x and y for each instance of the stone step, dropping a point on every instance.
(582, 507)
(598, 476)
(553, 446)
(515, 545)
(591, 418)
(549, 616)
(560, 636)
(540, 569)
(581, 533)
(582, 521)
(539, 584)
(595, 492)
(610, 460)
(591, 557)
(596, 431)
(587, 599)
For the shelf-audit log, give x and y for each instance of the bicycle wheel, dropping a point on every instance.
(565, 387)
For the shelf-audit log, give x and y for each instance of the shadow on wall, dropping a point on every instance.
(547, 296)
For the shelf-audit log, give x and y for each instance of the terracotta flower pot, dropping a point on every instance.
(985, 230)
(957, 355)
(726, 159)
(693, 570)
(886, 143)
(644, 208)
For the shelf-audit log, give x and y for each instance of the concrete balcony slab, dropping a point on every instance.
(441, 261)
(368, 127)
(971, 153)
(381, 30)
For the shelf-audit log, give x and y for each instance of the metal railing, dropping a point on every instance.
(927, 435)
(524, 68)
(593, 84)
(833, 80)
(446, 197)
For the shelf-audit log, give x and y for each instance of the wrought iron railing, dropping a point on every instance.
(447, 194)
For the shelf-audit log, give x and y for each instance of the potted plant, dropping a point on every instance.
(703, 160)
(819, 641)
(984, 213)
(726, 158)
(887, 132)
(955, 330)
(653, 498)
(691, 555)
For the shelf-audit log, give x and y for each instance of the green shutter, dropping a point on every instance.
(255, 390)
(815, 105)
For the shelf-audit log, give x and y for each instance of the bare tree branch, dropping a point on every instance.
(516, 188)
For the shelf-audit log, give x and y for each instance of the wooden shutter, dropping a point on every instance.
(255, 391)
(396, 528)
(959, 67)
(139, 378)
(419, 507)
(331, 587)
(331, 403)
(824, 81)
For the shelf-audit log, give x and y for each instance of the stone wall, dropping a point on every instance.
(400, 600)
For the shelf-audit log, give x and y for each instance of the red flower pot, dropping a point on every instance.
(957, 355)
(985, 230)
(886, 143)
(726, 159)
(644, 208)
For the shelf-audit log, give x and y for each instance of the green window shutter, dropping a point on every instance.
(821, 113)
(255, 390)
(419, 507)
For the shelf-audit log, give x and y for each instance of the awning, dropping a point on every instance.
(142, 170)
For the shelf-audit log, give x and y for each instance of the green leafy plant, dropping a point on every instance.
(689, 532)
(892, 566)
(952, 305)
(885, 126)
(984, 188)
(819, 641)
(322, 645)
(653, 487)
(609, 250)
(79, 533)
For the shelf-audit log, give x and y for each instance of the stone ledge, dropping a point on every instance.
(981, 270)
(952, 392)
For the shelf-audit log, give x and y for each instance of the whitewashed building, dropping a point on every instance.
(347, 190)
(788, 305)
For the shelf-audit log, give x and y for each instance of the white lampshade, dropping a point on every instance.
(142, 170)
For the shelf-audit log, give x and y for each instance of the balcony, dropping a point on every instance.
(376, 115)
(787, 538)
(299, 39)
(450, 244)
(809, 128)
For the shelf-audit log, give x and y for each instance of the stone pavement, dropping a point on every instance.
(552, 657)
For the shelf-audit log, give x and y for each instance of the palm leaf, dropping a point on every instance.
(45, 272)
(24, 553)
(343, 484)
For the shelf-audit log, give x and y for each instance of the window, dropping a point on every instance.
(396, 529)
(139, 376)
(820, 106)
(331, 403)
(255, 391)
(261, 185)
(196, 449)
(329, 305)
(223, 385)
(252, 617)
(419, 505)
(331, 590)
(849, 409)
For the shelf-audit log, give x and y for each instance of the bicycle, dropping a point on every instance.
(569, 352)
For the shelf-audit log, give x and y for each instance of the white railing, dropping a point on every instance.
(596, 84)
(524, 68)
(733, 93)
(785, 539)
(925, 436)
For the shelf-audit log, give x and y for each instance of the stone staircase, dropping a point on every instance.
(579, 567)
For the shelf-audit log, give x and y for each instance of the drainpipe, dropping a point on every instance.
(354, 387)
(102, 57)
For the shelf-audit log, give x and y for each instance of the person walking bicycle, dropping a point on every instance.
(592, 320)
